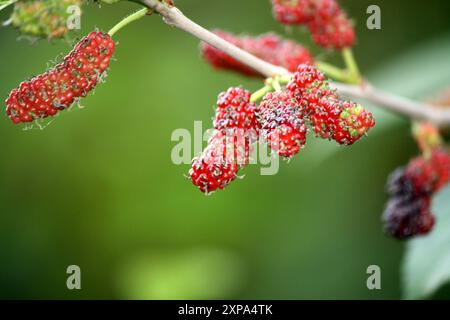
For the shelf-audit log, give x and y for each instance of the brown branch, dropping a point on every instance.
(406, 107)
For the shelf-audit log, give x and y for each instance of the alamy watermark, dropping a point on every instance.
(374, 280)
(239, 146)
(74, 20)
(374, 20)
(73, 281)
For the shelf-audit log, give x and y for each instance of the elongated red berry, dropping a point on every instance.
(56, 89)
(214, 169)
(282, 123)
(269, 47)
(220, 60)
(236, 117)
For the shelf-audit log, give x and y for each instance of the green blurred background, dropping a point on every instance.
(97, 187)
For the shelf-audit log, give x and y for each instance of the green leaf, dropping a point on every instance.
(426, 266)
(6, 3)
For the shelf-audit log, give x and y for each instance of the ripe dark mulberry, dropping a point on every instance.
(408, 211)
(58, 88)
(282, 123)
(269, 47)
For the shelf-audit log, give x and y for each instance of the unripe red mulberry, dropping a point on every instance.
(343, 121)
(441, 163)
(220, 60)
(291, 11)
(335, 32)
(328, 24)
(58, 88)
(268, 47)
(229, 148)
(282, 123)
(308, 79)
(234, 110)
(408, 211)
(236, 117)
(213, 169)
(329, 116)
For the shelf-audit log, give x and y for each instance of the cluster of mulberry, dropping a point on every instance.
(56, 89)
(43, 18)
(268, 47)
(326, 21)
(408, 211)
(283, 119)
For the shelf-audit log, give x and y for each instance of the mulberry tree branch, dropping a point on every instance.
(403, 106)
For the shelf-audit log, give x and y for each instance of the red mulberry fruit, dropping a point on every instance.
(234, 110)
(269, 47)
(58, 88)
(220, 60)
(229, 149)
(328, 24)
(329, 116)
(213, 169)
(441, 162)
(343, 121)
(292, 11)
(282, 123)
(334, 32)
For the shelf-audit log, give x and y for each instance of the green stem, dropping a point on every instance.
(132, 17)
(284, 79)
(352, 66)
(276, 84)
(258, 95)
(333, 71)
(3, 5)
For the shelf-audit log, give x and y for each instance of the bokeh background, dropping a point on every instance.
(97, 187)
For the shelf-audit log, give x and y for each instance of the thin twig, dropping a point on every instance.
(404, 106)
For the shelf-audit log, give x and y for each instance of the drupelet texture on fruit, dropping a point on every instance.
(282, 123)
(46, 94)
(326, 21)
(214, 168)
(329, 116)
